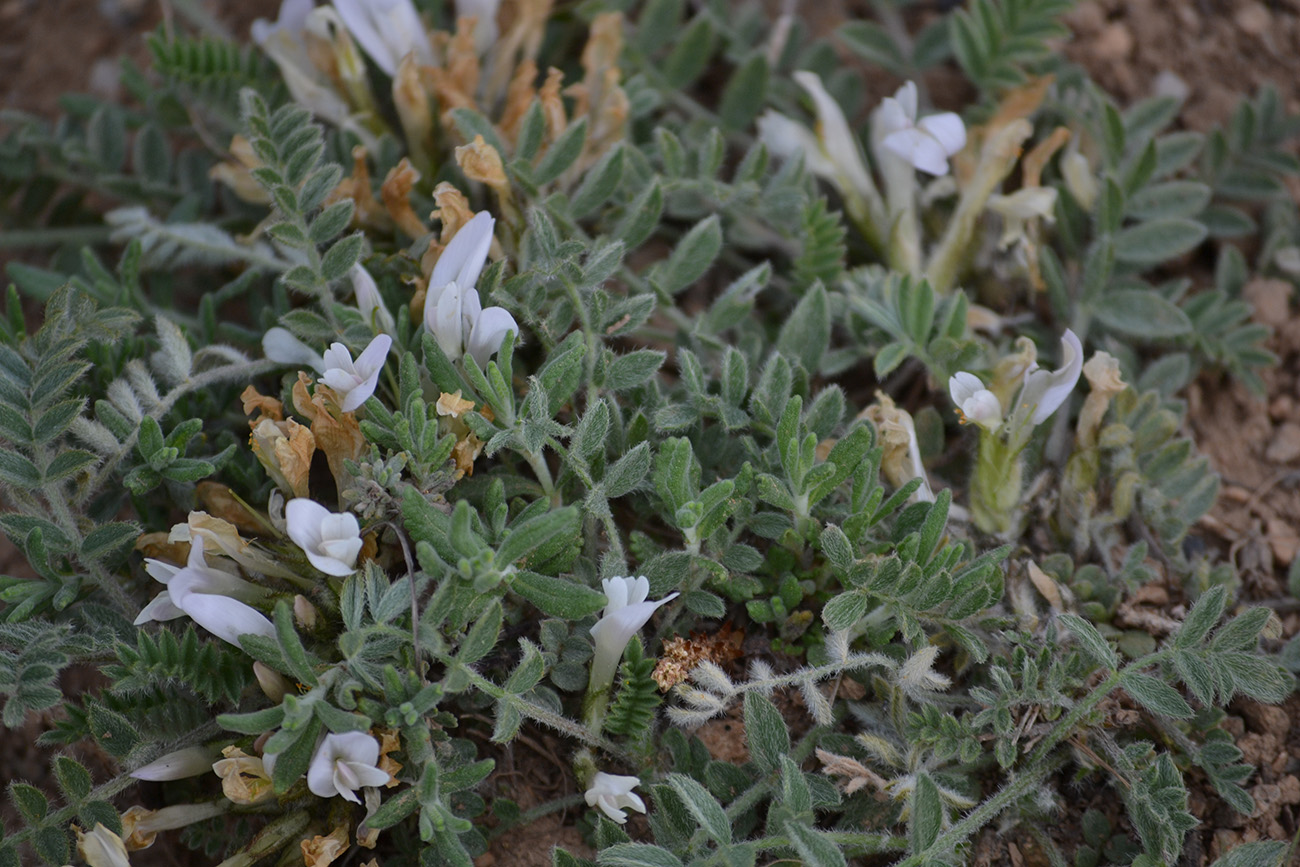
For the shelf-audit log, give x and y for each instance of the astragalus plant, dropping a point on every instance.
(479, 377)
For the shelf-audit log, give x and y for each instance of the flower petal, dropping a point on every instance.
(489, 332)
(1046, 391)
(907, 101)
(226, 618)
(919, 148)
(466, 254)
(159, 609)
(947, 129)
(280, 346)
(303, 518)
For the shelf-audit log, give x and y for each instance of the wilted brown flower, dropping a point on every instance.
(680, 655)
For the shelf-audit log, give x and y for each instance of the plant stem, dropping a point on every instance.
(1037, 767)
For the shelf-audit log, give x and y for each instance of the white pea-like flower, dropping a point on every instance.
(626, 611)
(282, 347)
(388, 30)
(354, 381)
(285, 42)
(831, 153)
(926, 143)
(370, 302)
(330, 540)
(101, 847)
(975, 403)
(613, 794)
(453, 313)
(1017, 209)
(178, 765)
(209, 596)
(1046, 390)
(344, 763)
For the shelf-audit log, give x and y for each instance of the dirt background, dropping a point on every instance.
(1213, 51)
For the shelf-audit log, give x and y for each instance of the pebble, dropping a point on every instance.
(1285, 446)
(1254, 19)
(1271, 300)
(1266, 718)
(1113, 43)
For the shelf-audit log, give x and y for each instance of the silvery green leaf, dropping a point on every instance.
(1167, 200)
(1142, 313)
(1155, 695)
(692, 256)
(173, 361)
(1091, 641)
(1157, 241)
(815, 848)
(765, 732)
(705, 809)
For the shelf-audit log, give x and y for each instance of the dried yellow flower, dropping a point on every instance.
(396, 193)
(481, 162)
(243, 778)
(367, 210)
(237, 173)
(323, 851)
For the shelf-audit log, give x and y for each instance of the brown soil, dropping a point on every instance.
(1214, 51)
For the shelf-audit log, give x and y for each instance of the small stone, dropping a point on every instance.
(1281, 407)
(1150, 594)
(1271, 300)
(1086, 18)
(1169, 84)
(1285, 446)
(1289, 788)
(1235, 726)
(1266, 718)
(1113, 43)
(1254, 19)
(1283, 540)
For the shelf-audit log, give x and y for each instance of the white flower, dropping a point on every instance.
(484, 13)
(453, 313)
(785, 137)
(369, 301)
(280, 346)
(613, 794)
(209, 596)
(223, 616)
(838, 143)
(344, 763)
(975, 403)
(1019, 208)
(388, 30)
(102, 848)
(626, 611)
(354, 382)
(140, 826)
(189, 762)
(330, 540)
(926, 144)
(1045, 390)
(285, 43)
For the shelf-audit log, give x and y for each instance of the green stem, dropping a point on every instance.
(562, 724)
(1036, 767)
(529, 816)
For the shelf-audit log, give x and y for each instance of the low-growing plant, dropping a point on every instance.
(468, 377)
